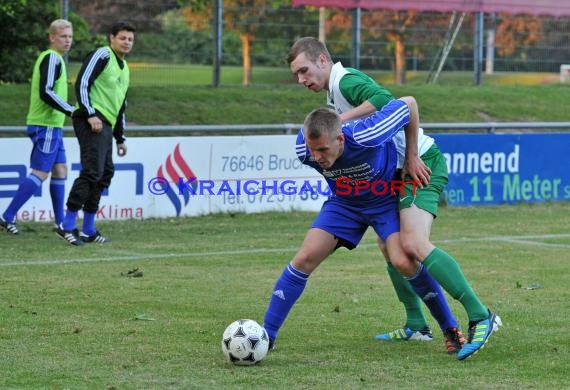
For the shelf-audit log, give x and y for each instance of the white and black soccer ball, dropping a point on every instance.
(245, 342)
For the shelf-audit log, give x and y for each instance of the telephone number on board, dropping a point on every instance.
(256, 163)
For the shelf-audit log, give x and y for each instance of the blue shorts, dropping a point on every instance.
(348, 221)
(48, 147)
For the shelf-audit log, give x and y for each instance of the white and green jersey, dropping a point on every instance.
(350, 87)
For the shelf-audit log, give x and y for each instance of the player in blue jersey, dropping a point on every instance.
(350, 155)
(46, 115)
(353, 94)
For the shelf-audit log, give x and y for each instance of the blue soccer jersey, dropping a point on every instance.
(368, 163)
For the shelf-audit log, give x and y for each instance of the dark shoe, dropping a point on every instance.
(454, 340)
(70, 236)
(95, 238)
(10, 227)
(272, 346)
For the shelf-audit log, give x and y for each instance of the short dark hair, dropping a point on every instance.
(122, 25)
(312, 48)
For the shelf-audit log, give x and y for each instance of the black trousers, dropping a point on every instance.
(97, 169)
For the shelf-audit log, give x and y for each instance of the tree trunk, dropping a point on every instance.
(400, 57)
(246, 57)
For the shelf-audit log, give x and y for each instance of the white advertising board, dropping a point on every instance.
(181, 176)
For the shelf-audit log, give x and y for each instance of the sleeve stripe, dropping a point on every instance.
(384, 129)
(100, 54)
(301, 147)
(53, 61)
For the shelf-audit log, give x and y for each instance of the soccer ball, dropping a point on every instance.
(245, 342)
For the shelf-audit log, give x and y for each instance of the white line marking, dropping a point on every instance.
(545, 244)
(144, 256)
(129, 256)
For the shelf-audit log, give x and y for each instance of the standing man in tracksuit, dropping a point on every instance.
(101, 89)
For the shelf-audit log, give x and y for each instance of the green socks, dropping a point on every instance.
(412, 303)
(447, 272)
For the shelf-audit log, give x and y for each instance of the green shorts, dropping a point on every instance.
(427, 198)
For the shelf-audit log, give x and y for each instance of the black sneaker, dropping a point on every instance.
(71, 236)
(272, 346)
(454, 340)
(10, 227)
(95, 238)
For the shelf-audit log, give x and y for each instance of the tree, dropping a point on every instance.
(102, 14)
(398, 28)
(515, 31)
(402, 28)
(395, 25)
(243, 16)
(23, 34)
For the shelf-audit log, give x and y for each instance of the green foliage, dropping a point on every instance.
(23, 35)
(83, 41)
(178, 43)
(272, 52)
(195, 5)
(9, 7)
(71, 319)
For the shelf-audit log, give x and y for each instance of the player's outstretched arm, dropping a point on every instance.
(361, 111)
(413, 165)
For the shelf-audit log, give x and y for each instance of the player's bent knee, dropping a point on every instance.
(41, 174)
(403, 265)
(410, 248)
(59, 171)
(415, 247)
(304, 262)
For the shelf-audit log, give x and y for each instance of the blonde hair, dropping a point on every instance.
(59, 24)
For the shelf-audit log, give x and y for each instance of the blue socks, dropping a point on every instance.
(287, 291)
(25, 191)
(292, 282)
(69, 220)
(88, 223)
(431, 293)
(57, 192)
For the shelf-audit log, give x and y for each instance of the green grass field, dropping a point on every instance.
(70, 320)
(163, 94)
